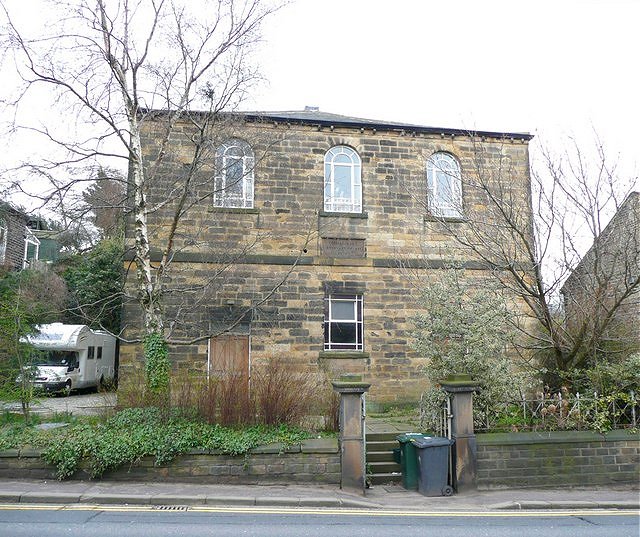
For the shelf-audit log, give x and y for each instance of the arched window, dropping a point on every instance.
(234, 175)
(342, 180)
(444, 186)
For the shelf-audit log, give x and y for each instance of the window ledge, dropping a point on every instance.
(449, 219)
(341, 355)
(346, 215)
(237, 210)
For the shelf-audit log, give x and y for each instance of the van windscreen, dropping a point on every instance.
(56, 357)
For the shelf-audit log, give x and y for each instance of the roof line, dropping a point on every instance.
(384, 126)
(357, 123)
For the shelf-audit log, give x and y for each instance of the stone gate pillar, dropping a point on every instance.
(352, 442)
(461, 388)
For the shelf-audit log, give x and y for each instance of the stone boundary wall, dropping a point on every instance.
(558, 458)
(312, 461)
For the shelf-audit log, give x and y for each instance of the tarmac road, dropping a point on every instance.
(131, 522)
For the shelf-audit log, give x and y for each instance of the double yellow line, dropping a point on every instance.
(324, 511)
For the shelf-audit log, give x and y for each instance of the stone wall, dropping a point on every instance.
(557, 459)
(313, 461)
(15, 222)
(229, 260)
(605, 275)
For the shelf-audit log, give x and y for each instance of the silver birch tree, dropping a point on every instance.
(110, 63)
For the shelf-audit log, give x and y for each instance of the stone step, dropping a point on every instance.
(378, 468)
(381, 437)
(392, 478)
(387, 445)
(380, 456)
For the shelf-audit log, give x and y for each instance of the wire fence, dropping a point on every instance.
(558, 411)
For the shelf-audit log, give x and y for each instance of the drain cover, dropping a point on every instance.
(170, 507)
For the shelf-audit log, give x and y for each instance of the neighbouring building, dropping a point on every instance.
(49, 250)
(19, 247)
(307, 234)
(605, 285)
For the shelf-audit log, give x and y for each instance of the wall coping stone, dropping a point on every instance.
(554, 437)
(319, 445)
(276, 447)
(311, 445)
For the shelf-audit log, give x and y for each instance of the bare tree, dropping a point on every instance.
(119, 66)
(534, 244)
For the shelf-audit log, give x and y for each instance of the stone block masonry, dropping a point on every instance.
(558, 459)
(312, 461)
(228, 259)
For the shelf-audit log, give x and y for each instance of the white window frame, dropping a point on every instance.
(442, 204)
(358, 314)
(224, 159)
(333, 203)
(4, 232)
(30, 238)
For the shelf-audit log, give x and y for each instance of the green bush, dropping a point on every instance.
(95, 282)
(138, 432)
(464, 328)
(607, 377)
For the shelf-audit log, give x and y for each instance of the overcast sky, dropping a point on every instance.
(551, 68)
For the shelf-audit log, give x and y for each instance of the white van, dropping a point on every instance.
(72, 356)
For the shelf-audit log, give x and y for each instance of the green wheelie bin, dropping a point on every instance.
(409, 460)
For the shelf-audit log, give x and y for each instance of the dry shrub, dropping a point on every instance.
(186, 392)
(282, 396)
(276, 396)
(332, 412)
(208, 401)
(234, 405)
(131, 392)
(222, 398)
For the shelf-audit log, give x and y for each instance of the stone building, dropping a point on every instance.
(318, 229)
(606, 282)
(18, 245)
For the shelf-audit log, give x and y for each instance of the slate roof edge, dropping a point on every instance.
(323, 119)
(379, 125)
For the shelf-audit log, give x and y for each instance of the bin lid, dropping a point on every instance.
(407, 437)
(431, 441)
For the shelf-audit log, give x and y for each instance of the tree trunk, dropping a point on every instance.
(149, 289)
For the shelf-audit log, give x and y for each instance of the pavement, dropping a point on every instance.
(177, 495)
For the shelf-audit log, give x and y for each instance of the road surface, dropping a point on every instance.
(82, 521)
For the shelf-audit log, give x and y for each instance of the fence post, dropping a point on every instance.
(352, 441)
(461, 388)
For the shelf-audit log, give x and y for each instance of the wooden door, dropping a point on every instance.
(229, 355)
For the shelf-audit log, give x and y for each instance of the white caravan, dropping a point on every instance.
(72, 356)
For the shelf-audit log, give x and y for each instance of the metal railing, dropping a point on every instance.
(560, 411)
